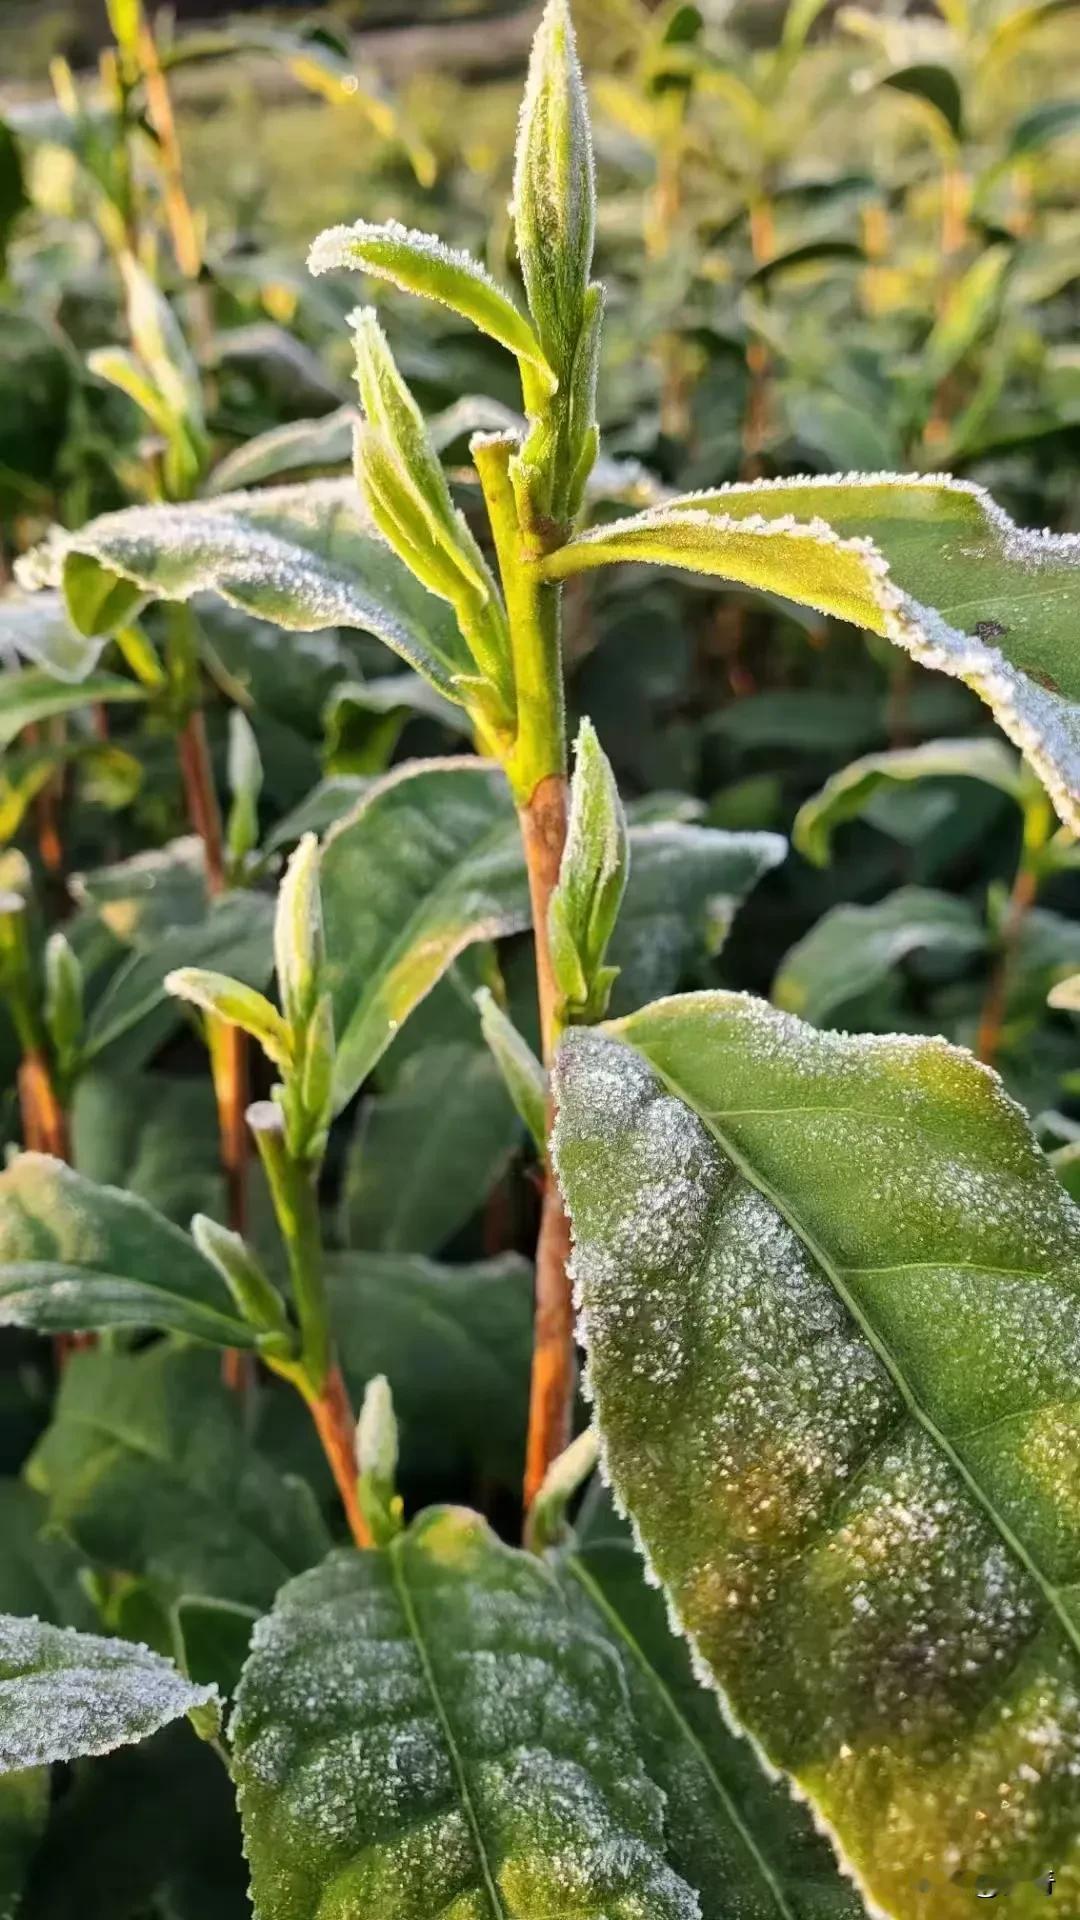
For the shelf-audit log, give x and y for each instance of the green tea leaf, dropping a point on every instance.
(427, 1153)
(66, 1693)
(853, 949)
(29, 694)
(554, 204)
(827, 1286)
(686, 884)
(420, 263)
(937, 88)
(847, 794)
(523, 1074)
(929, 562)
(1050, 120)
(154, 1135)
(39, 1573)
(592, 880)
(428, 862)
(501, 1778)
(74, 1255)
(455, 1344)
(304, 557)
(147, 1468)
(364, 720)
(739, 1839)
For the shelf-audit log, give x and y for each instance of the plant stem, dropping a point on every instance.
(1038, 826)
(293, 1190)
(537, 772)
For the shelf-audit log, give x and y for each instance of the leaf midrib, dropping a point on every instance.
(637, 1653)
(915, 1408)
(457, 1762)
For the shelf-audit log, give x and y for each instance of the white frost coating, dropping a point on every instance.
(37, 626)
(339, 247)
(464, 763)
(1042, 723)
(259, 551)
(64, 1694)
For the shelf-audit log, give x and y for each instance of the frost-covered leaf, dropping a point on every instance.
(829, 1294)
(853, 949)
(74, 1255)
(739, 1839)
(304, 557)
(455, 1344)
(64, 1694)
(420, 263)
(142, 897)
(686, 883)
(300, 446)
(29, 694)
(428, 862)
(931, 563)
(37, 626)
(425, 1729)
(848, 793)
(147, 1468)
(427, 1153)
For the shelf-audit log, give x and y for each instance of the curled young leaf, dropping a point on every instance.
(241, 1006)
(420, 263)
(828, 1286)
(554, 202)
(930, 562)
(592, 879)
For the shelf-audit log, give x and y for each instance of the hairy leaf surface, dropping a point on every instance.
(75, 1255)
(64, 1694)
(424, 1730)
(929, 562)
(304, 557)
(829, 1293)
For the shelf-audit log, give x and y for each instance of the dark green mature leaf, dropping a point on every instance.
(143, 897)
(303, 557)
(63, 1693)
(135, 1014)
(39, 1574)
(423, 1730)
(74, 1255)
(929, 562)
(29, 694)
(428, 1152)
(936, 87)
(154, 1831)
(740, 1840)
(364, 720)
(847, 794)
(146, 1467)
(24, 1810)
(829, 1287)
(427, 863)
(686, 883)
(455, 1344)
(853, 949)
(152, 1134)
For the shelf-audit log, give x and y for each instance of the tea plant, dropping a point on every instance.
(824, 1283)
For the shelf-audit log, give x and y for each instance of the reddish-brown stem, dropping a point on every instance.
(335, 1425)
(203, 811)
(551, 1389)
(992, 1018)
(44, 1122)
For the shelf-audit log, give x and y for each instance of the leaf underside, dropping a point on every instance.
(425, 1731)
(829, 1296)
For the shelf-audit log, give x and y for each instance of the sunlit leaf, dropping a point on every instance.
(499, 1777)
(827, 1286)
(929, 562)
(74, 1255)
